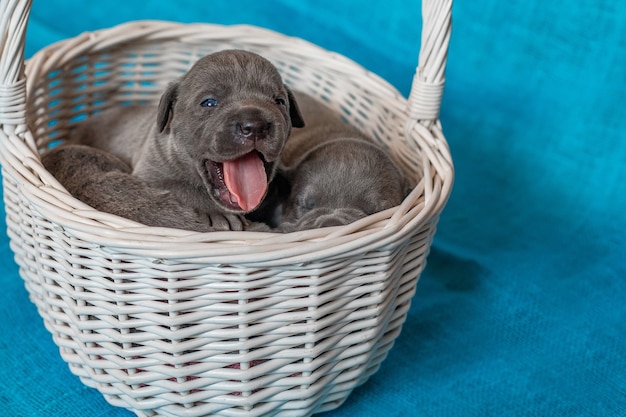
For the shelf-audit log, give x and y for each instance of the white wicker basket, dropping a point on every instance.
(173, 323)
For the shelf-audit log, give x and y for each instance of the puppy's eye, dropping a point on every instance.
(209, 102)
(281, 101)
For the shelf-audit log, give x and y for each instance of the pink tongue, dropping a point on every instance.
(246, 180)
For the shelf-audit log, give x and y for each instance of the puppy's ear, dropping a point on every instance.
(165, 106)
(294, 111)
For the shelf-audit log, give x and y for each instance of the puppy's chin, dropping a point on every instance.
(238, 185)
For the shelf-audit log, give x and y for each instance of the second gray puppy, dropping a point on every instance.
(206, 154)
(337, 174)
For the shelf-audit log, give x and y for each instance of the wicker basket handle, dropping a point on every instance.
(428, 82)
(13, 20)
(424, 100)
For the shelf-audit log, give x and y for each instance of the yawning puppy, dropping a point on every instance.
(336, 174)
(212, 143)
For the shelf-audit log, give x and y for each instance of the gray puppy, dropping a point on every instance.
(198, 161)
(103, 181)
(337, 174)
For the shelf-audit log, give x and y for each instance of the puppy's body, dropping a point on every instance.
(337, 174)
(104, 181)
(212, 145)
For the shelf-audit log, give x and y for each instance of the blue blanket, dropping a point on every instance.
(522, 308)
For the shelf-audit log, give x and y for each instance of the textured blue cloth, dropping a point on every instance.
(522, 308)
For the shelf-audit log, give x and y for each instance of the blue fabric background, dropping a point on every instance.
(522, 308)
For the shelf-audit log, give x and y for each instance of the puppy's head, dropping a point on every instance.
(229, 118)
(339, 182)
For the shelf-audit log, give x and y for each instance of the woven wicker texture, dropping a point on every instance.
(173, 323)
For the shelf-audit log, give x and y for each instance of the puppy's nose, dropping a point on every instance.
(256, 128)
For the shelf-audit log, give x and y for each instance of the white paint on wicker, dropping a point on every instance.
(172, 323)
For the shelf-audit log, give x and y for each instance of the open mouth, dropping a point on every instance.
(239, 184)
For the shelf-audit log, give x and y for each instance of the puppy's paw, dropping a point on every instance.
(322, 217)
(336, 217)
(257, 227)
(225, 221)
